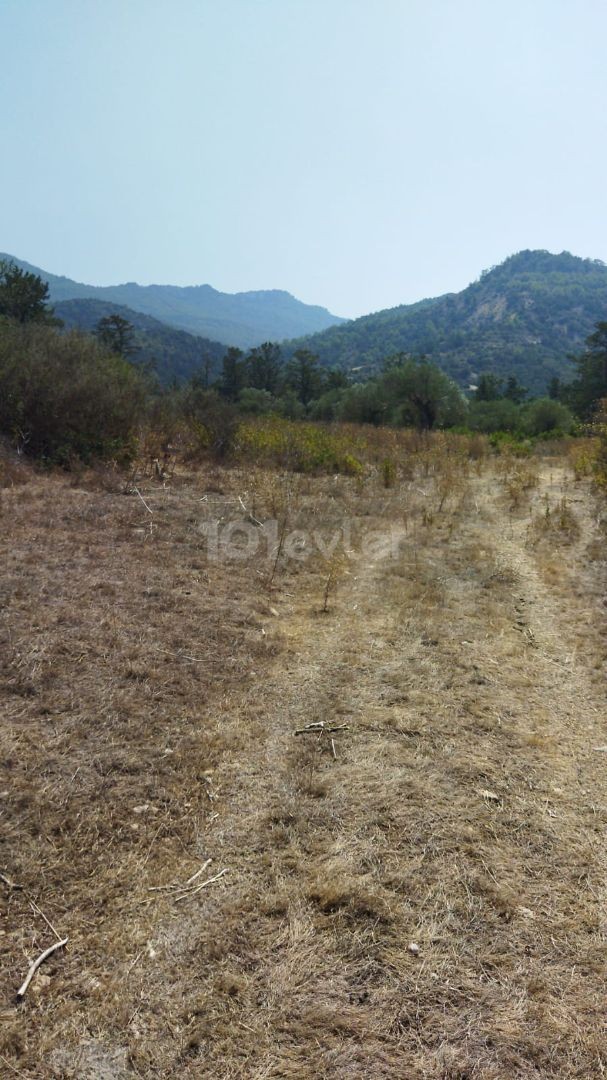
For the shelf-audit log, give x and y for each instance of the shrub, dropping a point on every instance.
(545, 415)
(388, 472)
(257, 402)
(212, 420)
(301, 447)
(490, 416)
(64, 398)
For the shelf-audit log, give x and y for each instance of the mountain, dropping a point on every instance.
(523, 317)
(169, 352)
(243, 319)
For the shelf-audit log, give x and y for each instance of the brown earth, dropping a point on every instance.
(419, 893)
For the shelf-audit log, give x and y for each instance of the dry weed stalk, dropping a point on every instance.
(555, 522)
(336, 568)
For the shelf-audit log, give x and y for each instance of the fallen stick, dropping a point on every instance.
(33, 969)
(137, 492)
(319, 726)
(198, 873)
(177, 884)
(209, 881)
(333, 750)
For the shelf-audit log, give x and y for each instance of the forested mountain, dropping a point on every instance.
(520, 318)
(243, 319)
(171, 353)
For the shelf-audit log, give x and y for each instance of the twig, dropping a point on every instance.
(209, 881)
(177, 884)
(333, 751)
(137, 492)
(320, 727)
(35, 908)
(198, 873)
(251, 517)
(195, 659)
(133, 964)
(17, 1072)
(36, 964)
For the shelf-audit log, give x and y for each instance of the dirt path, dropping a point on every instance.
(417, 894)
(423, 896)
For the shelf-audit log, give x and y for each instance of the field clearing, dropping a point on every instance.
(414, 887)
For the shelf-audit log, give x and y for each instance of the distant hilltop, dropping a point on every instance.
(523, 317)
(243, 319)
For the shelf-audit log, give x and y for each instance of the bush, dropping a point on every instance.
(489, 416)
(257, 402)
(212, 420)
(64, 398)
(546, 415)
(301, 447)
(326, 407)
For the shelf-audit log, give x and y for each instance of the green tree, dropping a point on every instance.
(336, 380)
(423, 395)
(545, 415)
(514, 390)
(554, 388)
(24, 296)
(489, 387)
(233, 374)
(304, 376)
(116, 334)
(365, 403)
(263, 366)
(590, 385)
(489, 416)
(257, 402)
(328, 405)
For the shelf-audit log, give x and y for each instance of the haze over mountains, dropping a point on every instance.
(524, 317)
(243, 319)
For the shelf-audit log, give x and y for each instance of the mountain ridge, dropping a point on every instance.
(243, 319)
(523, 317)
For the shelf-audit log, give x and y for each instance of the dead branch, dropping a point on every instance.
(319, 727)
(36, 964)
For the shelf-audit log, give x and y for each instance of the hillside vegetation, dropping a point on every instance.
(170, 353)
(521, 318)
(243, 319)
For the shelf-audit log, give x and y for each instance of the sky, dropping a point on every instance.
(357, 153)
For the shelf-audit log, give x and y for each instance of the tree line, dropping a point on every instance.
(70, 395)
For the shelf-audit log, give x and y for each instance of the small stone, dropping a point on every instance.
(413, 948)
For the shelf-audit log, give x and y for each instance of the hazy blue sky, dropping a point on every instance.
(359, 154)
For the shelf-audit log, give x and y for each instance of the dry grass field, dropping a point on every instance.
(305, 808)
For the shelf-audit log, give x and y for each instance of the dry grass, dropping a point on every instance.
(452, 801)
